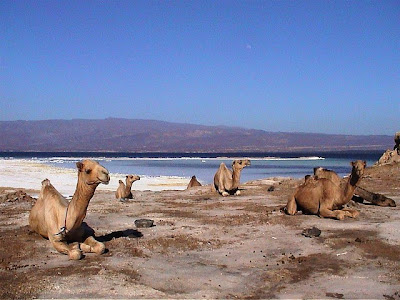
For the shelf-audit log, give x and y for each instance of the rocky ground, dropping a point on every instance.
(207, 246)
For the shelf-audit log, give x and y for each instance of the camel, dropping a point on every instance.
(125, 191)
(323, 197)
(226, 182)
(61, 222)
(359, 193)
(193, 182)
(320, 172)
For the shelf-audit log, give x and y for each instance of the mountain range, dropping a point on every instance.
(134, 135)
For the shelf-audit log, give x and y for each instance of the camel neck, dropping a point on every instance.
(235, 178)
(78, 206)
(128, 186)
(350, 187)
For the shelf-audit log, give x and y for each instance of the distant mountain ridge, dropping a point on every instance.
(134, 135)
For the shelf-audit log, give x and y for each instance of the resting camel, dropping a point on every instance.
(193, 182)
(328, 174)
(125, 191)
(61, 222)
(375, 198)
(226, 182)
(323, 197)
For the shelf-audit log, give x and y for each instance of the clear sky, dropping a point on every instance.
(309, 66)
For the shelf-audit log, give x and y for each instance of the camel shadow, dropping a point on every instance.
(131, 233)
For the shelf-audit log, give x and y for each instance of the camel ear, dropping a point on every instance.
(352, 164)
(365, 164)
(79, 165)
(126, 176)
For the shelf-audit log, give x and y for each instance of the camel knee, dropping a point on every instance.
(291, 207)
(237, 193)
(93, 246)
(75, 253)
(290, 210)
(100, 248)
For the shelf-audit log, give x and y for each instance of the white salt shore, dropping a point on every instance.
(28, 174)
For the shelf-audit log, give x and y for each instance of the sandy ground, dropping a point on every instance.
(207, 246)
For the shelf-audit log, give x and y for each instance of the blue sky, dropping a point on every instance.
(308, 66)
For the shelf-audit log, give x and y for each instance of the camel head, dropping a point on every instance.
(132, 178)
(92, 173)
(397, 137)
(239, 164)
(358, 167)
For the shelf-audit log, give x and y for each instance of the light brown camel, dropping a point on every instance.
(61, 222)
(359, 193)
(325, 198)
(125, 191)
(320, 172)
(226, 182)
(193, 182)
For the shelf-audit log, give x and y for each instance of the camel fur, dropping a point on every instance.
(125, 191)
(60, 221)
(226, 182)
(323, 197)
(193, 182)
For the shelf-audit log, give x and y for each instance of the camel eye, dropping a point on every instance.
(88, 171)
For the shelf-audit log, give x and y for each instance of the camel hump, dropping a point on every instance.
(45, 182)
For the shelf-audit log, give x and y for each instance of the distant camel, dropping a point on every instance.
(193, 182)
(323, 197)
(125, 191)
(226, 182)
(61, 222)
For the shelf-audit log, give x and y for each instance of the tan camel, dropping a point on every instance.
(61, 222)
(125, 191)
(226, 182)
(359, 193)
(320, 172)
(323, 197)
(193, 182)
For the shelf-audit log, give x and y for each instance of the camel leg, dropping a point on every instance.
(352, 213)
(223, 193)
(291, 206)
(73, 251)
(90, 245)
(334, 214)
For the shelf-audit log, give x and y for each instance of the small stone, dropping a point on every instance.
(311, 232)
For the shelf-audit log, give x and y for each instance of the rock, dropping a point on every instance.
(311, 232)
(144, 223)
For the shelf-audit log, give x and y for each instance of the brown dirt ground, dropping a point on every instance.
(207, 246)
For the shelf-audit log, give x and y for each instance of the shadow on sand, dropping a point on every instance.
(132, 233)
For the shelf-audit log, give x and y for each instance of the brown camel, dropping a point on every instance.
(226, 182)
(360, 194)
(125, 191)
(325, 198)
(193, 182)
(328, 174)
(61, 222)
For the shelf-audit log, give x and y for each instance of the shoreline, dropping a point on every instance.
(28, 174)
